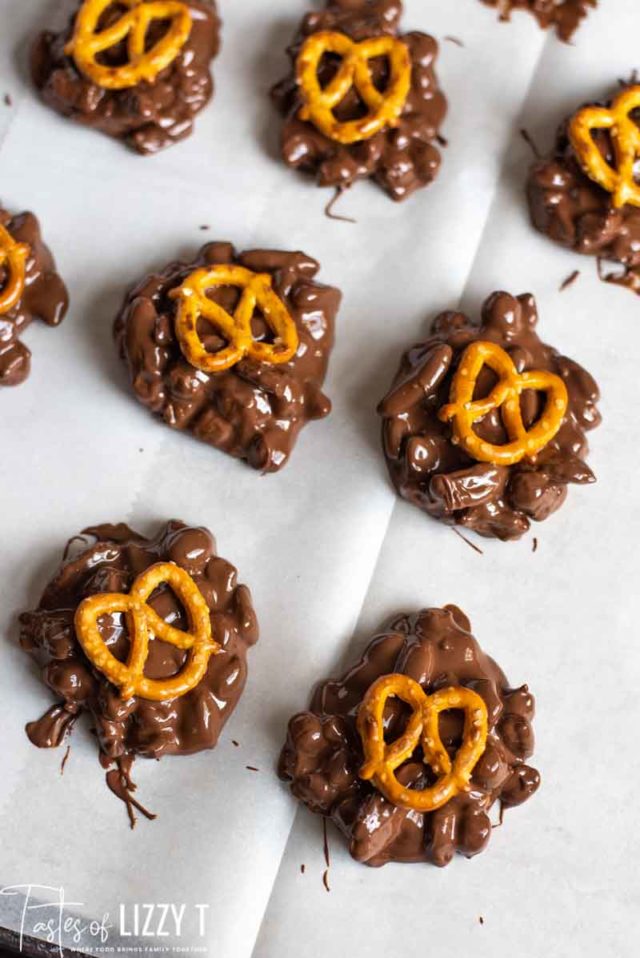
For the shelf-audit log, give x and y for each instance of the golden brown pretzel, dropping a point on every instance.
(319, 102)
(143, 622)
(382, 760)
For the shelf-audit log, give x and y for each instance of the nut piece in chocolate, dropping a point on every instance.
(96, 72)
(573, 208)
(362, 100)
(323, 760)
(563, 15)
(30, 288)
(233, 348)
(484, 425)
(87, 635)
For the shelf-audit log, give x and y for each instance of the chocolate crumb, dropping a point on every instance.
(526, 136)
(458, 42)
(534, 545)
(302, 869)
(252, 768)
(64, 760)
(233, 742)
(325, 844)
(442, 140)
(7, 99)
(328, 210)
(570, 280)
(468, 541)
(205, 227)
(481, 919)
(325, 879)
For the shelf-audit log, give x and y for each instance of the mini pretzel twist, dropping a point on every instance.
(619, 180)
(257, 291)
(142, 623)
(465, 411)
(88, 41)
(382, 760)
(354, 71)
(13, 258)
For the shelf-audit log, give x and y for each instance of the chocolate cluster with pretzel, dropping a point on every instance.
(138, 70)
(564, 16)
(149, 636)
(584, 195)
(361, 99)
(484, 425)
(232, 347)
(30, 288)
(408, 751)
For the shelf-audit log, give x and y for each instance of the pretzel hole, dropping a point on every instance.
(164, 660)
(118, 55)
(352, 106)
(228, 297)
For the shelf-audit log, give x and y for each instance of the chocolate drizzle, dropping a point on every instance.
(45, 297)
(322, 753)
(439, 477)
(107, 559)
(401, 159)
(148, 117)
(577, 213)
(253, 411)
(563, 15)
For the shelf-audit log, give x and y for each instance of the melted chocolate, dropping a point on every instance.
(253, 411)
(149, 116)
(44, 297)
(563, 15)
(401, 159)
(439, 477)
(575, 212)
(323, 752)
(107, 559)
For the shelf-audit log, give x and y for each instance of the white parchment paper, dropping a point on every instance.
(325, 546)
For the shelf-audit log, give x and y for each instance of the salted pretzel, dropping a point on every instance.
(88, 41)
(619, 180)
(465, 411)
(354, 71)
(382, 760)
(13, 258)
(257, 292)
(143, 622)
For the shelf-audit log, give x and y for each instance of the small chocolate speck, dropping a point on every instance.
(302, 869)
(481, 920)
(526, 136)
(569, 280)
(7, 99)
(534, 545)
(328, 210)
(65, 759)
(458, 42)
(442, 140)
(233, 742)
(325, 879)
(471, 544)
(252, 768)
(204, 227)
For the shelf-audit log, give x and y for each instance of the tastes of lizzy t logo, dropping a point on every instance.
(43, 912)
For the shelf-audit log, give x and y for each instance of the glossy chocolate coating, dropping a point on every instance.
(574, 211)
(149, 116)
(563, 15)
(401, 159)
(107, 558)
(45, 297)
(254, 410)
(323, 751)
(439, 477)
